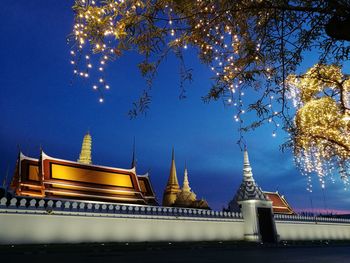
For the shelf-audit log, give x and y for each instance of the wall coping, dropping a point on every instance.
(24, 205)
(300, 218)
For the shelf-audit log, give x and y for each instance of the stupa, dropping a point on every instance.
(185, 197)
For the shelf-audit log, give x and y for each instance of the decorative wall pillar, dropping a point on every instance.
(251, 227)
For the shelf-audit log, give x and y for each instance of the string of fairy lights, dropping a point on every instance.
(322, 139)
(100, 27)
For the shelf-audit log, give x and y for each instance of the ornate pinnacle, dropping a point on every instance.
(85, 154)
(247, 169)
(186, 185)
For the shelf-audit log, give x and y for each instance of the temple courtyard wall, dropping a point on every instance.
(76, 222)
(28, 221)
(312, 228)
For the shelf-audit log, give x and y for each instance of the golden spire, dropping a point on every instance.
(173, 177)
(172, 187)
(85, 154)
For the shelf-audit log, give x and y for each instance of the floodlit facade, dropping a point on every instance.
(62, 201)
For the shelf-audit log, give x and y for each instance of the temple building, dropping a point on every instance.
(81, 180)
(176, 197)
(249, 190)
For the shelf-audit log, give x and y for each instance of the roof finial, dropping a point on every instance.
(133, 162)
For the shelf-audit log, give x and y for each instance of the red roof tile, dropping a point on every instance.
(279, 203)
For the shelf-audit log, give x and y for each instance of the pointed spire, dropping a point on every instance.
(247, 169)
(172, 188)
(133, 162)
(173, 176)
(186, 184)
(85, 154)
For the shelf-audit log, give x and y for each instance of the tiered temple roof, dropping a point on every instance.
(58, 178)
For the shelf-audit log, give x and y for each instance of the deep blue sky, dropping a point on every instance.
(40, 107)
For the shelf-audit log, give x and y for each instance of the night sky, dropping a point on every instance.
(43, 105)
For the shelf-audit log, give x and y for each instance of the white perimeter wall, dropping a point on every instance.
(47, 221)
(21, 228)
(289, 230)
(16, 228)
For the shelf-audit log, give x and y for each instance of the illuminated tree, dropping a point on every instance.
(248, 45)
(321, 130)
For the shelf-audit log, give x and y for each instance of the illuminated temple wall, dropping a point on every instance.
(49, 221)
(76, 222)
(305, 228)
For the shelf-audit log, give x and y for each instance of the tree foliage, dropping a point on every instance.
(248, 45)
(321, 131)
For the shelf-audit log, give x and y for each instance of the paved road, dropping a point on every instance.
(179, 252)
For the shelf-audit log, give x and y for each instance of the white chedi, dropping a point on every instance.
(185, 196)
